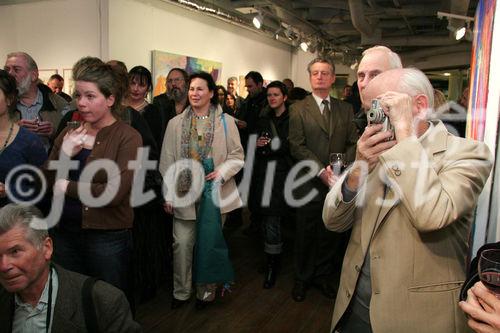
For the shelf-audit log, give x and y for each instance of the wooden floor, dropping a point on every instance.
(249, 307)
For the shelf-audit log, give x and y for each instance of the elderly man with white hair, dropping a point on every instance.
(375, 60)
(37, 296)
(409, 200)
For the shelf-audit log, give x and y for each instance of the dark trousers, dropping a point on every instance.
(98, 253)
(353, 323)
(318, 252)
(271, 230)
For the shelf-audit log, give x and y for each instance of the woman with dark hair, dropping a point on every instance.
(140, 83)
(221, 95)
(205, 137)
(272, 147)
(231, 104)
(95, 239)
(18, 146)
(149, 231)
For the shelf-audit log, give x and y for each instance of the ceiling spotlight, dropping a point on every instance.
(257, 20)
(447, 74)
(304, 46)
(460, 33)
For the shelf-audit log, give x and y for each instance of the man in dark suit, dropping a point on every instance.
(35, 295)
(319, 125)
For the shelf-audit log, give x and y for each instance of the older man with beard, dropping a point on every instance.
(172, 102)
(39, 109)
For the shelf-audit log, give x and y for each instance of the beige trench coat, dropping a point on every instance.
(416, 235)
(228, 158)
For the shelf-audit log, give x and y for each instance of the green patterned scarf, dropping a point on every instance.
(193, 146)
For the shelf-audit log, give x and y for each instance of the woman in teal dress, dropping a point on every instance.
(202, 135)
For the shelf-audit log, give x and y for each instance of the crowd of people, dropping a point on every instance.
(106, 185)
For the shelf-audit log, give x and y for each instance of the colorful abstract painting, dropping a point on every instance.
(163, 62)
(480, 69)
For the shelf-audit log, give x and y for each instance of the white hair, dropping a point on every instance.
(413, 82)
(393, 57)
(14, 215)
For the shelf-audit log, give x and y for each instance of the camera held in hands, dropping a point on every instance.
(376, 115)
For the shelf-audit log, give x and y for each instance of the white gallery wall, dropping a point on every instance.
(56, 32)
(137, 27)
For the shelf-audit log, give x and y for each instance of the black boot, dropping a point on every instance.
(271, 271)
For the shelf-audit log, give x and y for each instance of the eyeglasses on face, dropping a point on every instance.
(175, 80)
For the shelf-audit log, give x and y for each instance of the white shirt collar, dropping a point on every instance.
(320, 100)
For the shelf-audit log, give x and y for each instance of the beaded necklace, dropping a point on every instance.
(8, 137)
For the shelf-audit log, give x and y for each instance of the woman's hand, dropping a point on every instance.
(168, 207)
(241, 124)
(60, 186)
(73, 141)
(483, 309)
(263, 141)
(214, 175)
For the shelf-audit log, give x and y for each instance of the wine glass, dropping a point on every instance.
(489, 270)
(337, 162)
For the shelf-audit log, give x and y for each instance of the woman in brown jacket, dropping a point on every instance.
(94, 238)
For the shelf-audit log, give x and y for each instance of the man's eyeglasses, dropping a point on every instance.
(176, 80)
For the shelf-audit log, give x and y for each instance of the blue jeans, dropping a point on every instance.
(105, 254)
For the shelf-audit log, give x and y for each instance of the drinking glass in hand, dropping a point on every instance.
(265, 150)
(489, 270)
(266, 135)
(337, 162)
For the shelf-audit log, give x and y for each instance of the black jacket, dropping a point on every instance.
(264, 156)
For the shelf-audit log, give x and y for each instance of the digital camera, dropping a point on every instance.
(376, 115)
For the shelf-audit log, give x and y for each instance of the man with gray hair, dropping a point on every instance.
(36, 296)
(409, 199)
(232, 88)
(320, 125)
(39, 109)
(375, 60)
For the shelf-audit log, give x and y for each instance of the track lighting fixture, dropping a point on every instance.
(258, 20)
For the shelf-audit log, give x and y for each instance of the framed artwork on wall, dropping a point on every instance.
(69, 84)
(45, 74)
(163, 62)
(480, 69)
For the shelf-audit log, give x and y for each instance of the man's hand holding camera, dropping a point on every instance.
(398, 108)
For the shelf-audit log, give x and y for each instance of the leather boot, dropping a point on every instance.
(271, 271)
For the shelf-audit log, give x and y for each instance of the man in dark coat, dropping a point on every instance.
(169, 104)
(251, 106)
(35, 295)
(319, 125)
